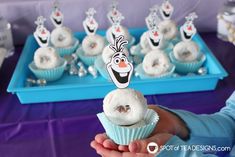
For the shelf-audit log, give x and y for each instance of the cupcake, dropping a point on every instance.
(47, 64)
(62, 38)
(187, 58)
(186, 54)
(115, 17)
(156, 64)
(126, 117)
(153, 38)
(92, 44)
(167, 27)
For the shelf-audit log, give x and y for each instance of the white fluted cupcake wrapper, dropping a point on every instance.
(140, 71)
(49, 74)
(68, 50)
(125, 135)
(88, 60)
(101, 67)
(187, 67)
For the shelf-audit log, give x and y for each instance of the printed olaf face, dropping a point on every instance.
(116, 29)
(166, 10)
(120, 70)
(42, 36)
(90, 25)
(112, 15)
(187, 31)
(57, 17)
(154, 38)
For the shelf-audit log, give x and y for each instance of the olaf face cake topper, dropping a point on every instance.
(119, 68)
(166, 10)
(154, 37)
(41, 34)
(188, 29)
(90, 25)
(113, 12)
(153, 19)
(57, 16)
(116, 29)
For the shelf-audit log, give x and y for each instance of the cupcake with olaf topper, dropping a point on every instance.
(167, 26)
(62, 38)
(186, 54)
(115, 17)
(144, 45)
(47, 64)
(93, 44)
(126, 117)
(156, 63)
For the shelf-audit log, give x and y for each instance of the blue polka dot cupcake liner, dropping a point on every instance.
(187, 67)
(68, 50)
(125, 135)
(49, 74)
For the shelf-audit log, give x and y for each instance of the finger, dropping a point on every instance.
(100, 138)
(112, 153)
(93, 144)
(109, 144)
(140, 146)
(123, 148)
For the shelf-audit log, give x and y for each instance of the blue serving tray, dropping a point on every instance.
(75, 88)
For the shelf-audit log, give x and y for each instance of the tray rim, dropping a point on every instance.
(16, 74)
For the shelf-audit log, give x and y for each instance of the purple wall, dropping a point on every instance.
(22, 13)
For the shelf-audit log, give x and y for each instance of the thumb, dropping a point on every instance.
(140, 146)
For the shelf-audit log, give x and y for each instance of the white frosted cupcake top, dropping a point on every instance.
(46, 58)
(62, 37)
(125, 106)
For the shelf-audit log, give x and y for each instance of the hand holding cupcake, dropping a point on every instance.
(125, 117)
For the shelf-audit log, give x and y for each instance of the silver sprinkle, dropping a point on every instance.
(202, 71)
(73, 70)
(82, 72)
(30, 80)
(41, 82)
(80, 64)
(93, 71)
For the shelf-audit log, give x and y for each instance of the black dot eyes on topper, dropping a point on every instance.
(119, 68)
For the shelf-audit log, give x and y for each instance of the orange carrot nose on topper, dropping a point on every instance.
(119, 68)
